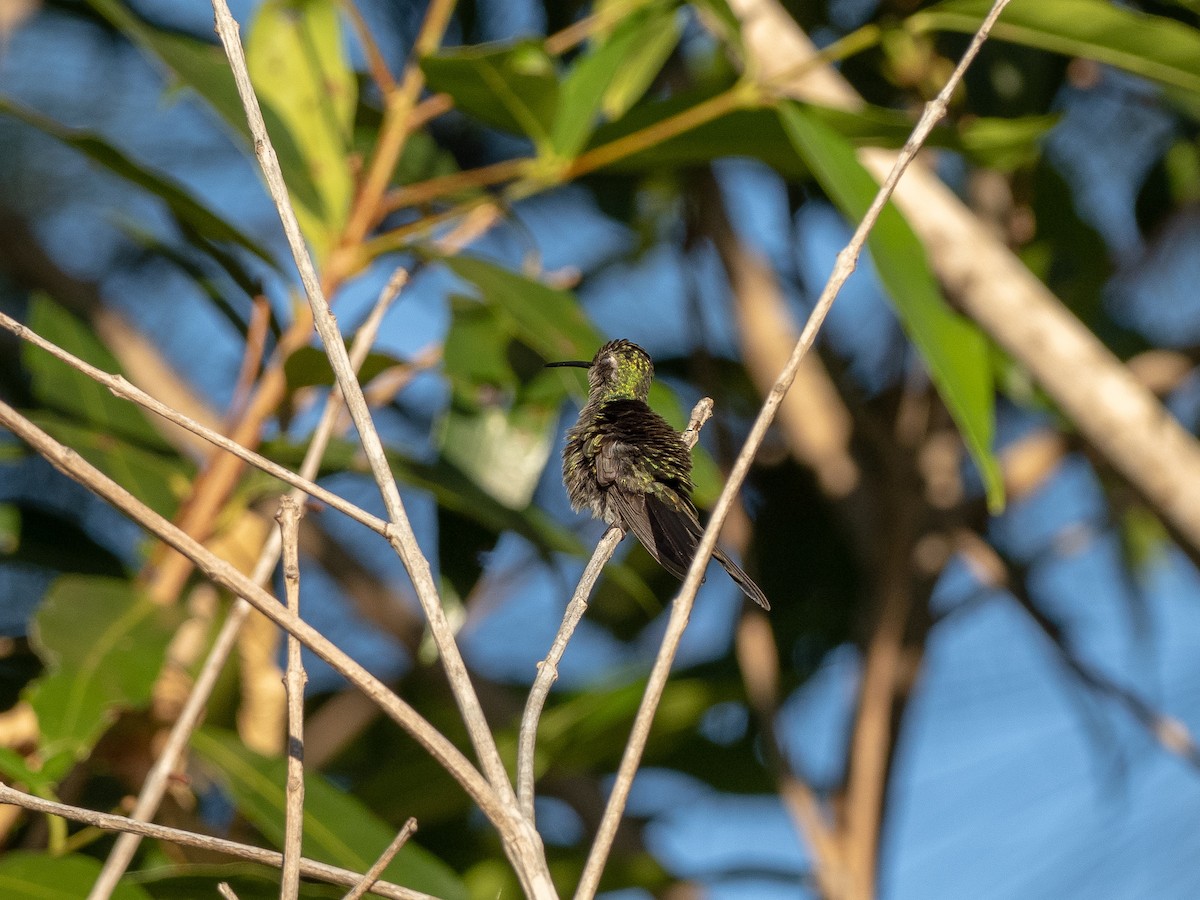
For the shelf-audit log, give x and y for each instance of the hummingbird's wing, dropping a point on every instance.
(663, 528)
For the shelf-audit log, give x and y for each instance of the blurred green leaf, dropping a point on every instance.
(190, 212)
(26, 875)
(588, 730)
(546, 319)
(338, 828)
(509, 86)
(199, 65)
(1153, 47)
(58, 386)
(194, 268)
(194, 881)
(613, 74)
(499, 427)
(155, 479)
(1005, 144)
(954, 348)
(757, 133)
(296, 60)
(309, 366)
(202, 66)
(10, 528)
(652, 42)
(103, 644)
(39, 533)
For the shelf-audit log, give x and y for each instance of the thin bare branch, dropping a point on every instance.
(400, 534)
(226, 891)
(447, 755)
(681, 609)
(385, 858)
(289, 515)
(156, 782)
(547, 670)
(123, 388)
(109, 822)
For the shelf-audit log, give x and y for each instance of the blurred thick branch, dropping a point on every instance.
(1108, 404)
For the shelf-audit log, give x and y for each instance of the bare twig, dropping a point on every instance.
(547, 670)
(123, 388)
(681, 609)
(521, 841)
(75, 467)
(189, 717)
(401, 534)
(293, 834)
(226, 891)
(385, 858)
(109, 822)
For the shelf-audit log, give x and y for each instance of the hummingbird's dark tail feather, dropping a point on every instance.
(749, 588)
(671, 532)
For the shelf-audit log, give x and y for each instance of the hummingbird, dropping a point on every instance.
(625, 464)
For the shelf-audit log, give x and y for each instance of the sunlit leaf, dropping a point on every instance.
(202, 66)
(953, 347)
(510, 86)
(295, 56)
(1154, 47)
(613, 74)
(338, 828)
(102, 643)
(29, 875)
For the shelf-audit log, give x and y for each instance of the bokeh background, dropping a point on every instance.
(1037, 720)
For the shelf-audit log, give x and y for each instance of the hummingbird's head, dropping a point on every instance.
(620, 370)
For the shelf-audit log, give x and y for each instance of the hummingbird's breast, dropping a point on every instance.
(622, 445)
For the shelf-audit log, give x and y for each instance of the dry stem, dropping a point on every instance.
(293, 835)
(189, 717)
(372, 874)
(109, 822)
(547, 671)
(681, 609)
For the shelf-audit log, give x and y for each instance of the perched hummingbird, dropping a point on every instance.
(630, 468)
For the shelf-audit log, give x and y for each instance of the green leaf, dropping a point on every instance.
(338, 828)
(170, 880)
(499, 428)
(309, 366)
(196, 64)
(58, 386)
(611, 76)
(42, 876)
(103, 644)
(509, 86)
(1153, 47)
(955, 350)
(156, 479)
(202, 66)
(299, 68)
(10, 528)
(651, 43)
(546, 319)
(191, 214)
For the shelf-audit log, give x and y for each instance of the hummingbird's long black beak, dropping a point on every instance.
(577, 363)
